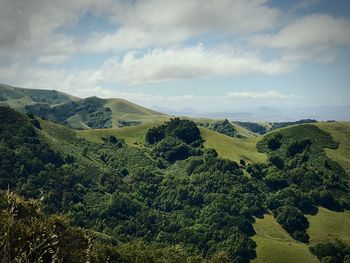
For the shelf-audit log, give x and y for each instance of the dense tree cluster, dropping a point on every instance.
(223, 127)
(300, 176)
(333, 251)
(184, 130)
(253, 127)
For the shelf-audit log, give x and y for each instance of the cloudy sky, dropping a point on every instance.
(204, 54)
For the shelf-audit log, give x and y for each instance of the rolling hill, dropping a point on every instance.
(114, 175)
(18, 98)
(75, 112)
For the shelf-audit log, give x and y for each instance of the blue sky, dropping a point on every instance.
(203, 54)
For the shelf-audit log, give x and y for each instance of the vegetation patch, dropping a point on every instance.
(300, 176)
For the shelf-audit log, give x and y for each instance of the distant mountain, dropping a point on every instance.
(269, 114)
(184, 111)
(75, 112)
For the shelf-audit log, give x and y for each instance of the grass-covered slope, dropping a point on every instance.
(133, 135)
(235, 149)
(74, 112)
(340, 131)
(327, 225)
(19, 98)
(126, 109)
(227, 147)
(86, 113)
(275, 245)
(300, 156)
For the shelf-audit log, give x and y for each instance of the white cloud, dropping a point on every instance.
(186, 63)
(157, 23)
(138, 68)
(127, 38)
(312, 31)
(32, 28)
(84, 83)
(198, 16)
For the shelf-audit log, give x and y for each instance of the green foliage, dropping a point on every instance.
(274, 143)
(26, 235)
(92, 112)
(253, 127)
(297, 147)
(334, 251)
(300, 176)
(292, 220)
(170, 201)
(183, 130)
(277, 125)
(224, 127)
(276, 161)
(172, 149)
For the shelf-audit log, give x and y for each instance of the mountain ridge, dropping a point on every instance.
(77, 113)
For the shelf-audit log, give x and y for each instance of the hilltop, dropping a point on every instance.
(75, 112)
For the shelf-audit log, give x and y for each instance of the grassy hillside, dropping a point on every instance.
(19, 98)
(227, 147)
(275, 245)
(156, 188)
(340, 131)
(133, 136)
(233, 148)
(328, 224)
(74, 112)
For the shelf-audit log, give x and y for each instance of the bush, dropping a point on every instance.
(292, 220)
(275, 181)
(224, 127)
(332, 251)
(297, 147)
(277, 161)
(184, 130)
(275, 142)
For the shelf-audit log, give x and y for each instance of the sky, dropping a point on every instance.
(209, 55)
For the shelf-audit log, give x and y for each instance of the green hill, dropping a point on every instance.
(340, 131)
(126, 113)
(227, 147)
(235, 149)
(168, 189)
(275, 245)
(74, 112)
(272, 244)
(18, 98)
(133, 136)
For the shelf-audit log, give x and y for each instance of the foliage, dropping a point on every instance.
(300, 175)
(91, 111)
(26, 235)
(253, 127)
(183, 130)
(334, 251)
(293, 220)
(277, 125)
(224, 127)
(171, 200)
